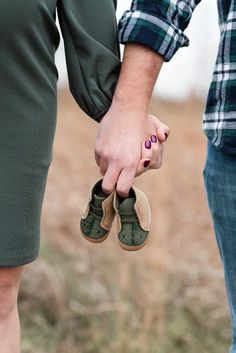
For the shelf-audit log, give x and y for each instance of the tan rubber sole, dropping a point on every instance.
(132, 247)
(96, 241)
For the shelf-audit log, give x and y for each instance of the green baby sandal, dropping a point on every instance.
(133, 219)
(97, 219)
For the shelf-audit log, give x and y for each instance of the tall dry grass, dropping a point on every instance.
(169, 297)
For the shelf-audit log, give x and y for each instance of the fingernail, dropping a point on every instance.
(148, 144)
(166, 135)
(154, 138)
(146, 163)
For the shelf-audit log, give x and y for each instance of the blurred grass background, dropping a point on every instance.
(168, 297)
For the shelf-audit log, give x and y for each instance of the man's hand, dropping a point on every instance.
(126, 125)
(119, 148)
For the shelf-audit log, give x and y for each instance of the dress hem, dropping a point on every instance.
(18, 261)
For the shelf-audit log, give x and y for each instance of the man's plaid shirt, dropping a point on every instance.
(160, 25)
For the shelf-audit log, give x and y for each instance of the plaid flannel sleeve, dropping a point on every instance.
(158, 24)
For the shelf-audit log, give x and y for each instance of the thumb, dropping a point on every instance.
(162, 130)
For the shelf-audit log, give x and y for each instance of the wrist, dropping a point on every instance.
(138, 75)
(130, 102)
(122, 106)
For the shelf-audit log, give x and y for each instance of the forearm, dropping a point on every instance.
(139, 72)
(152, 32)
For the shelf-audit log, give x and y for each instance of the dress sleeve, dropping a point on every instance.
(158, 24)
(89, 31)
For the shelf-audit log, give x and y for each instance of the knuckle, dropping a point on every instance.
(123, 191)
(155, 148)
(107, 189)
(125, 161)
(116, 157)
(102, 171)
(97, 151)
(131, 163)
(116, 162)
(105, 154)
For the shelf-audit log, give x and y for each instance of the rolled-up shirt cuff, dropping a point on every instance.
(154, 32)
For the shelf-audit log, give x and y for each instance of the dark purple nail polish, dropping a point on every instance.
(146, 163)
(166, 135)
(154, 138)
(148, 144)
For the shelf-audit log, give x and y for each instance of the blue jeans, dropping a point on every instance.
(220, 182)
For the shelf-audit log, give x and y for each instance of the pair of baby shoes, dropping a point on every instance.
(133, 217)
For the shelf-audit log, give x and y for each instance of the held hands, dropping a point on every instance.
(126, 148)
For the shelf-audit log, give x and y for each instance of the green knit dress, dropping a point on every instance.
(28, 101)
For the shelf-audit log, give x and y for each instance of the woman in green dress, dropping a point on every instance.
(28, 101)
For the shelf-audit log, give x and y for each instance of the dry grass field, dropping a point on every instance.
(169, 297)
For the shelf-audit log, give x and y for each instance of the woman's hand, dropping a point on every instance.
(118, 149)
(152, 148)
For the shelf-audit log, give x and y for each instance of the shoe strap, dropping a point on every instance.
(95, 215)
(96, 210)
(128, 217)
